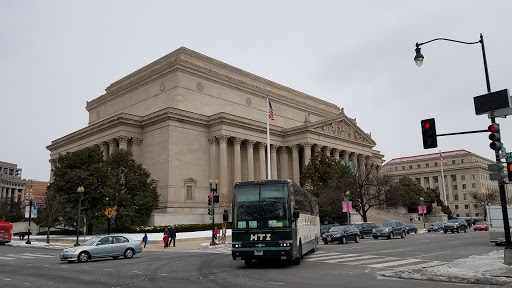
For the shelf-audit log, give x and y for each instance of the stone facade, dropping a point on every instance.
(11, 184)
(189, 118)
(464, 172)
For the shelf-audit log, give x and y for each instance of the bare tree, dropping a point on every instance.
(370, 189)
(51, 214)
(486, 198)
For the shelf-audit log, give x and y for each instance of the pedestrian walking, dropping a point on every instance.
(166, 238)
(145, 239)
(19, 234)
(410, 219)
(215, 231)
(22, 235)
(173, 237)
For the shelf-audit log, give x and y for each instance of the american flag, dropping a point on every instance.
(270, 111)
(443, 161)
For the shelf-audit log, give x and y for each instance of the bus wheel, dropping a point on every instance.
(314, 247)
(248, 261)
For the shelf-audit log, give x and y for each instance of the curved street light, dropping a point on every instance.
(347, 198)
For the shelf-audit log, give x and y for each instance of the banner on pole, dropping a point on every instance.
(345, 206)
(422, 209)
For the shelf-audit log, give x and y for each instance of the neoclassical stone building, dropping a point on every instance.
(11, 184)
(189, 118)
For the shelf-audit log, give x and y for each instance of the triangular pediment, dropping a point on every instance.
(343, 127)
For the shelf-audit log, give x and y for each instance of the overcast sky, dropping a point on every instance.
(56, 55)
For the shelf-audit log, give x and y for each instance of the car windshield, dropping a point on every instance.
(481, 223)
(337, 228)
(386, 224)
(91, 241)
(453, 221)
(358, 226)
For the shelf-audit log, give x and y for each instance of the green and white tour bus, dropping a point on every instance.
(273, 219)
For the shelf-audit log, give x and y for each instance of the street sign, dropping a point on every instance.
(211, 218)
(509, 157)
(110, 212)
(503, 149)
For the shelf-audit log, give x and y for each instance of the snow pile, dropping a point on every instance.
(478, 269)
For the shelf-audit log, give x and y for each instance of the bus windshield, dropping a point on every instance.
(261, 206)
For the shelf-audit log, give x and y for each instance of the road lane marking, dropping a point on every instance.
(396, 263)
(329, 257)
(434, 254)
(7, 258)
(372, 260)
(20, 256)
(275, 283)
(38, 255)
(350, 259)
(382, 251)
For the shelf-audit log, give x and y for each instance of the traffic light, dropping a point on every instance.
(495, 137)
(215, 198)
(509, 170)
(209, 200)
(428, 131)
(210, 211)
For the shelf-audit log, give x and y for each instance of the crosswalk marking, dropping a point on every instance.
(350, 259)
(37, 255)
(24, 256)
(372, 260)
(327, 256)
(395, 263)
(6, 258)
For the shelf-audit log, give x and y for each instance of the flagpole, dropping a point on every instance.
(269, 176)
(442, 177)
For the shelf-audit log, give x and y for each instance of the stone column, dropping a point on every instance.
(263, 166)
(346, 158)
(52, 168)
(353, 159)
(212, 142)
(104, 149)
(295, 163)
(273, 162)
(237, 167)
(123, 142)
(250, 159)
(136, 149)
(307, 152)
(336, 153)
(112, 145)
(285, 174)
(1, 192)
(327, 151)
(223, 167)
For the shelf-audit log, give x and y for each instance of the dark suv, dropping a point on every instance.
(365, 228)
(455, 225)
(390, 229)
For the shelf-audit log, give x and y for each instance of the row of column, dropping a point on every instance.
(107, 147)
(10, 192)
(359, 161)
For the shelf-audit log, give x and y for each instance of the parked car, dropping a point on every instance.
(411, 228)
(482, 226)
(455, 225)
(389, 229)
(341, 234)
(102, 247)
(435, 227)
(325, 228)
(365, 228)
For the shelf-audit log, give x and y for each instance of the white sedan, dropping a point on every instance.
(102, 247)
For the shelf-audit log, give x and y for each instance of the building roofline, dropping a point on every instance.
(428, 156)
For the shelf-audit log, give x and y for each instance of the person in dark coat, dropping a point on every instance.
(173, 237)
(166, 238)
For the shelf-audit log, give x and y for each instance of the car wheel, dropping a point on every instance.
(343, 240)
(374, 237)
(357, 239)
(403, 234)
(457, 230)
(362, 236)
(248, 261)
(115, 257)
(474, 229)
(326, 243)
(486, 229)
(128, 253)
(466, 230)
(83, 257)
(296, 261)
(445, 231)
(70, 261)
(391, 236)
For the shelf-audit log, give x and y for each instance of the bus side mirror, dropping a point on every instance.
(296, 213)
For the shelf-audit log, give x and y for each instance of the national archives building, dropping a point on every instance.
(11, 184)
(188, 118)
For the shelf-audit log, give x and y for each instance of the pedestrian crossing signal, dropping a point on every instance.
(209, 200)
(509, 170)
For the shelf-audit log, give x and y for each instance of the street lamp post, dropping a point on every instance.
(423, 211)
(80, 191)
(418, 58)
(347, 196)
(29, 218)
(213, 191)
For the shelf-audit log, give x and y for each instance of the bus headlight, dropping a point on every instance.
(285, 243)
(236, 244)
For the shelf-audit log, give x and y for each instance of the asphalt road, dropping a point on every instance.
(335, 265)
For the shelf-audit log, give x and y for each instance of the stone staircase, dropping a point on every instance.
(376, 216)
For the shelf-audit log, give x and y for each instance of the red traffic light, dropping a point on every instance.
(426, 125)
(209, 196)
(495, 127)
